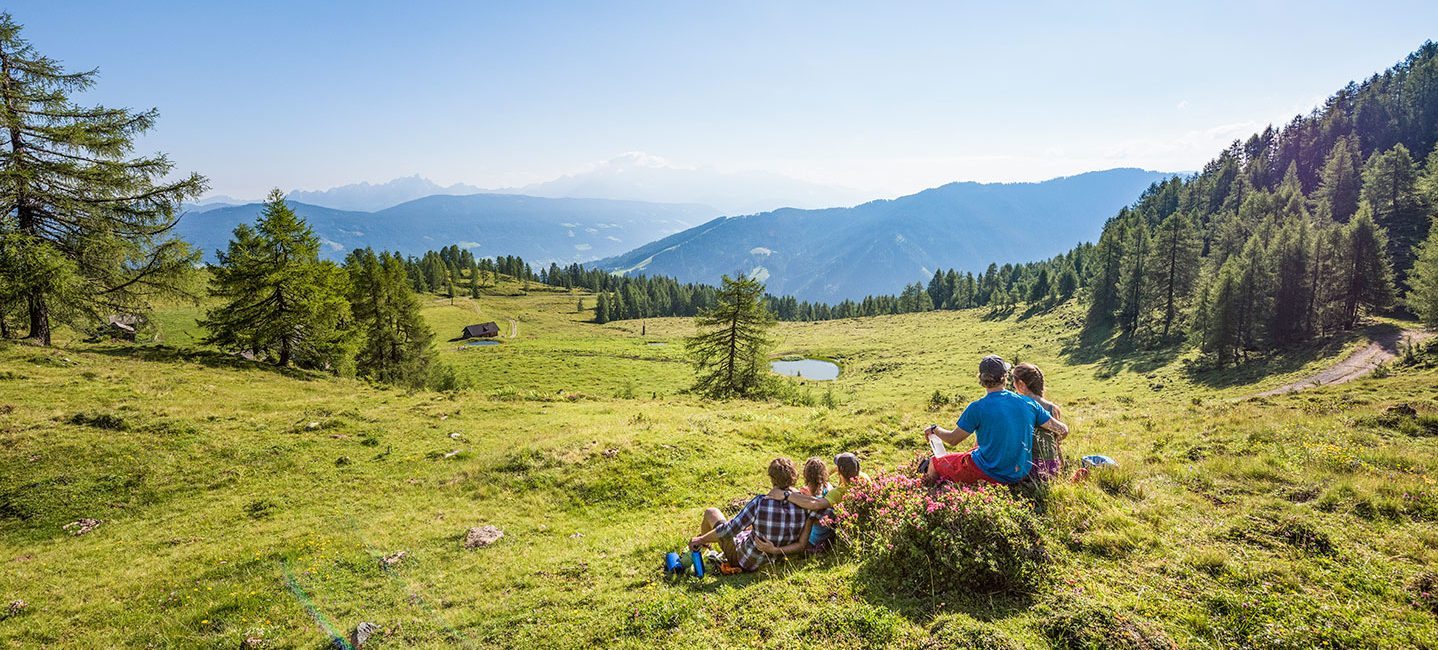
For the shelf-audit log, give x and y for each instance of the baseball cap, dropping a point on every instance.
(994, 368)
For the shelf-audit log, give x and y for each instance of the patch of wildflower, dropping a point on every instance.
(926, 540)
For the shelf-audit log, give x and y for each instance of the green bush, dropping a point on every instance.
(921, 541)
(962, 632)
(1078, 623)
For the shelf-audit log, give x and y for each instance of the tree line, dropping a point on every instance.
(281, 303)
(1289, 236)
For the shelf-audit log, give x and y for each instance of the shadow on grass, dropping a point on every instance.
(922, 610)
(1113, 353)
(1284, 361)
(208, 358)
(998, 313)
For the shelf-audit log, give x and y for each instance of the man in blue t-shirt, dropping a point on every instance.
(1004, 423)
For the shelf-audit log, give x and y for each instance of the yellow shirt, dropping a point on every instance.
(836, 495)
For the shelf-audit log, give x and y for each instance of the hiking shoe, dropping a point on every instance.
(728, 569)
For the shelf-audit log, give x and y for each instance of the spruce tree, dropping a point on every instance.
(395, 342)
(1366, 272)
(1336, 198)
(280, 301)
(601, 308)
(732, 343)
(1041, 288)
(84, 229)
(1216, 326)
(1422, 295)
(1390, 188)
(1292, 253)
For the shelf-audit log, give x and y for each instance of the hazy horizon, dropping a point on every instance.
(884, 102)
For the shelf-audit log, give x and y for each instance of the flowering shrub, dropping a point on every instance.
(923, 540)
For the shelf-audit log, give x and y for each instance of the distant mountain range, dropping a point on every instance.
(541, 230)
(878, 247)
(633, 176)
(642, 177)
(368, 197)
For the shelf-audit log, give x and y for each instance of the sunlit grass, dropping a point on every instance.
(239, 501)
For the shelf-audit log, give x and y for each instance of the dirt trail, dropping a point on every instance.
(1382, 349)
(513, 328)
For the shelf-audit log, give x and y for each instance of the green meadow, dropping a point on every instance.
(239, 502)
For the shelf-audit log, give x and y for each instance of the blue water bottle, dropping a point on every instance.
(698, 564)
(671, 563)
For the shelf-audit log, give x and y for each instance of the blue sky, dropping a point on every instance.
(888, 99)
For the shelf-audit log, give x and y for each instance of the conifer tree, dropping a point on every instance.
(1131, 279)
(473, 279)
(730, 348)
(1292, 253)
(601, 308)
(395, 342)
(1336, 198)
(1217, 325)
(1103, 286)
(1390, 188)
(1041, 288)
(84, 228)
(1422, 295)
(1172, 270)
(280, 300)
(1068, 284)
(1366, 272)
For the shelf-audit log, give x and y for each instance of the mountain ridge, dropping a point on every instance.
(812, 254)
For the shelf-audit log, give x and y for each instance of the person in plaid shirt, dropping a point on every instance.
(776, 521)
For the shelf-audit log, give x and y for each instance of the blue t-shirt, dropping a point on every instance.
(1004, 423)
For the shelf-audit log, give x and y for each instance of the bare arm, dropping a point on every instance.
(800, 499)
(950, 437)
(1059, 429)
(695, 543)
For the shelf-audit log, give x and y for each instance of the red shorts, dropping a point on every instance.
(961, 468)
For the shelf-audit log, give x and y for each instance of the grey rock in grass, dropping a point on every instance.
(82, 526)
(393, 559)
(362, 634)
(15, 608)
(481, 536)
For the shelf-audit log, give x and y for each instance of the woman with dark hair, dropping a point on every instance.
(1048, 458)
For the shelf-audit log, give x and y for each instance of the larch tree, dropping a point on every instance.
(1339, 186)
(1390, 188)
(1422, 295)
(280, 301)
(1172, 270)
(1132, 277)
(733, 341)
(85, 228)
(1366, 278)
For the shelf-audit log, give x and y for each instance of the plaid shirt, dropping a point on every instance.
(777, 522)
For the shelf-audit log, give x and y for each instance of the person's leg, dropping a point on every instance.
(931, 472)
(712, 518)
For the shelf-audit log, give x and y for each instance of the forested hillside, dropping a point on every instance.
(1288, 236)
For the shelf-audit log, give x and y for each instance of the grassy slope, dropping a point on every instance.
(227, 512)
